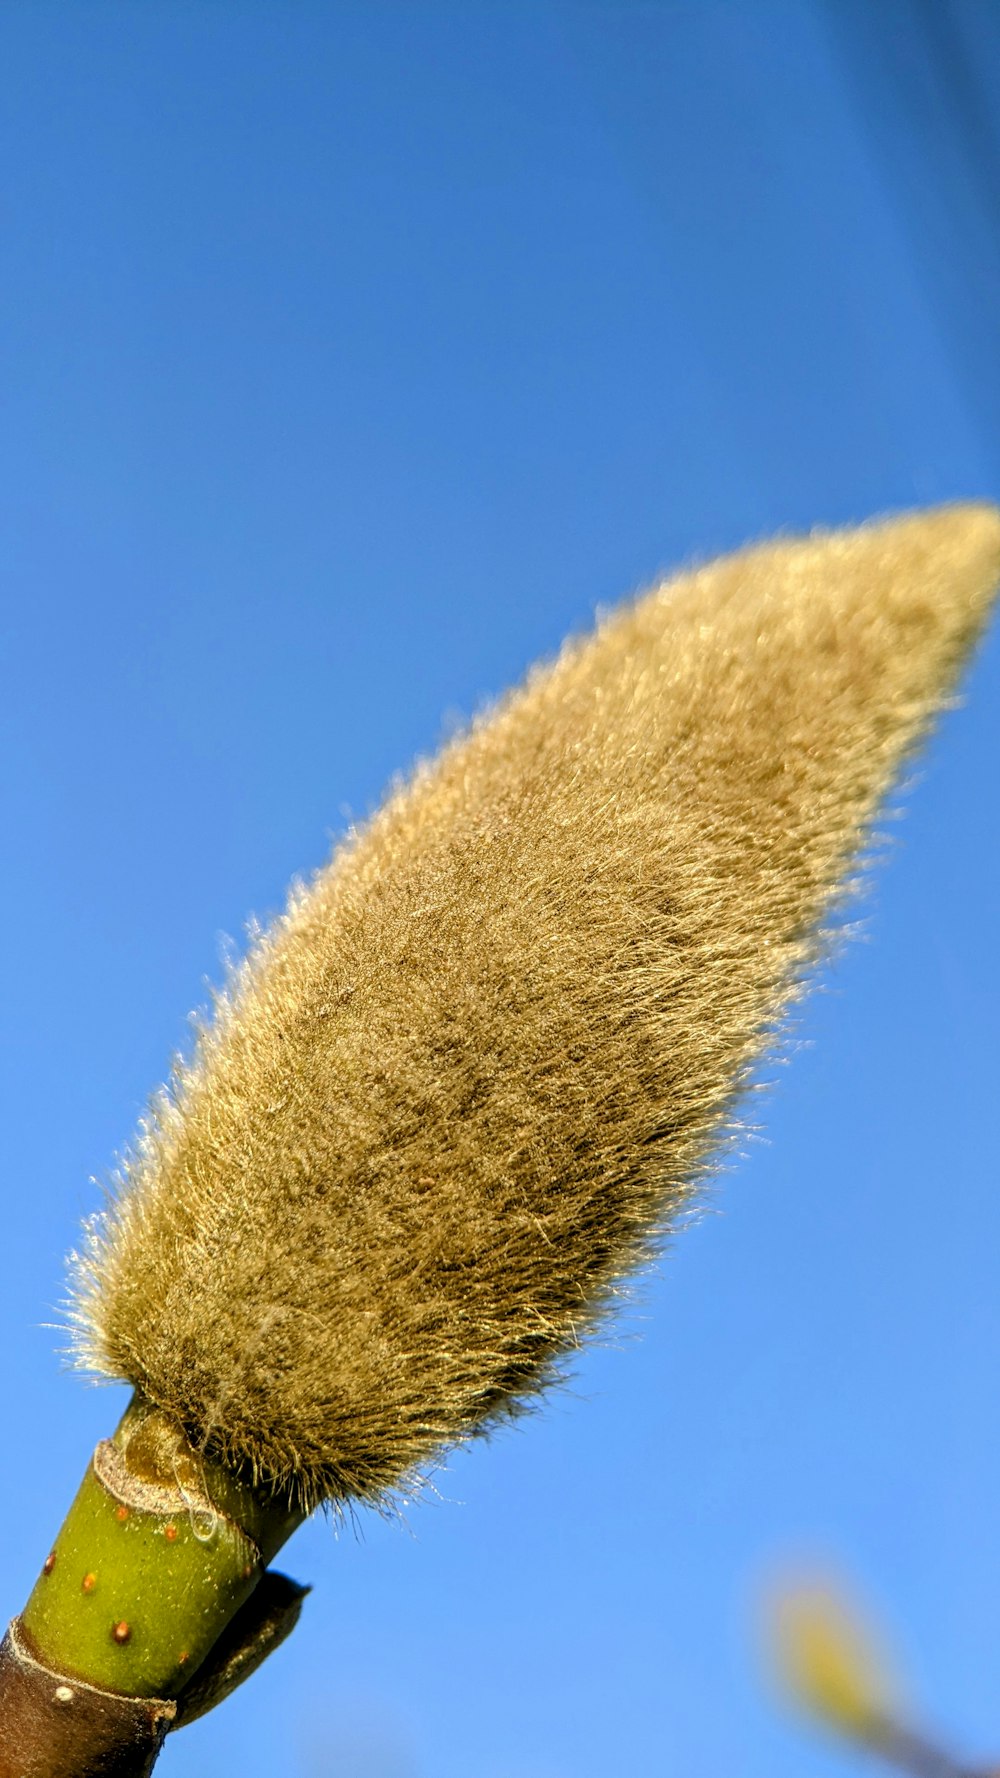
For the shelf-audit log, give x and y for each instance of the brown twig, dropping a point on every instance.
(53, 1725)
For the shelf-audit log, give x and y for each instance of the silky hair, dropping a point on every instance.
(465, 1083)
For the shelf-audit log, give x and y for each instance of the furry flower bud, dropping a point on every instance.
(463, 1084)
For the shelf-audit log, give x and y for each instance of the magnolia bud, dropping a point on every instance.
(466, 1081)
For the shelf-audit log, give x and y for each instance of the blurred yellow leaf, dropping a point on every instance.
(829, 1660)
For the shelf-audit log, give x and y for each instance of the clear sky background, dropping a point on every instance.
(353, 354)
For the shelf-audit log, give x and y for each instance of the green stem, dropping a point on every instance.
(161, 1550)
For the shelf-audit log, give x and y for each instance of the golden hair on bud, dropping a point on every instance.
(463, 1084)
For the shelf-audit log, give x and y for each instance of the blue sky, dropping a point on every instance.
(353, 354)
